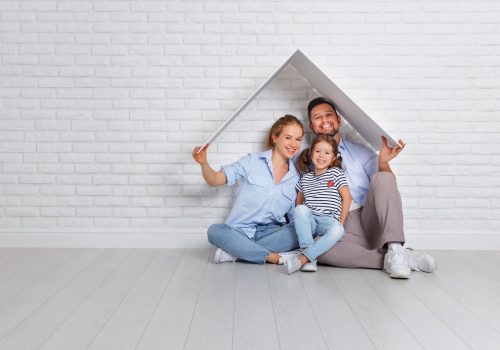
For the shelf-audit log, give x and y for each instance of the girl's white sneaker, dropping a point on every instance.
(311, 266)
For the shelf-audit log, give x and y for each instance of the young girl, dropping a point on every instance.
(256, 230)
(323, 202)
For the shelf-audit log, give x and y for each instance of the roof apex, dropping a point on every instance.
(349, 110)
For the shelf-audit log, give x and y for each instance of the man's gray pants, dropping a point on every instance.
(368, 229)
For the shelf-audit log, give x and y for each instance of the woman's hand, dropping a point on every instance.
(201, 156)
(212, 177)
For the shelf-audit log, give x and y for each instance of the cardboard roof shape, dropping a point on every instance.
(349, 110)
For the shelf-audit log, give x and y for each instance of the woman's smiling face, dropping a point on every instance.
(288, 142)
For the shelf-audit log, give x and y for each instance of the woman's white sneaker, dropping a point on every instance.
(221, 257)
(285, 256)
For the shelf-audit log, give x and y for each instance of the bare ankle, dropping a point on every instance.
(273, 258)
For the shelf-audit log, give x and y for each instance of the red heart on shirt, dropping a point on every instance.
(330, 183)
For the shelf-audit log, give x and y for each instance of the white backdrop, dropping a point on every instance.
(101, 103)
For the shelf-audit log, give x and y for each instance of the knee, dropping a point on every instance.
(383, 178)
(215, 233)
(301, 210)
(335, 233)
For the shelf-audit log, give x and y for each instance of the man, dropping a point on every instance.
(374, 234)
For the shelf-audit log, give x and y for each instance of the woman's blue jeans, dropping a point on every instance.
(268, 239)
(310, 225)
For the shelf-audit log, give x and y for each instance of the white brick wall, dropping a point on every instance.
(101, 103)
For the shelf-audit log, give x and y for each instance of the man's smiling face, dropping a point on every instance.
(324, 120)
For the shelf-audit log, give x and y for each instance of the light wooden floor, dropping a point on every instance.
(178, 299)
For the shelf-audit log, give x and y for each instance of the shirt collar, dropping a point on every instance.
(342, 144)
(267, 156)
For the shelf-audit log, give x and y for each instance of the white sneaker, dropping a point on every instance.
(285, 256)
(221, 257)
(311, 266)
(395, 264)
(419, 261)
(292, 265)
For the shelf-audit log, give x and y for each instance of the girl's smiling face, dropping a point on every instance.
(322, 157)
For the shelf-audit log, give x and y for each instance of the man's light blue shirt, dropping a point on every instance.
(359, 163)
(259, 201)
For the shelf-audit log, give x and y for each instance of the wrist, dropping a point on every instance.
(383, 165)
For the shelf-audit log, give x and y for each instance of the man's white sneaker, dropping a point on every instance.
(395, 265)
(292, 265)
(419, 261)
(285, 256)
(311, 266)
(221, 257)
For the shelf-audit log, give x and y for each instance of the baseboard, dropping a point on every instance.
(108, 238)
(196, 238)
(453, 240)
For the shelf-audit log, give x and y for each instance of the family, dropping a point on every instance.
(337, 202)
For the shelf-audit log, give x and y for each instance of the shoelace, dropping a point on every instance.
(413, 260)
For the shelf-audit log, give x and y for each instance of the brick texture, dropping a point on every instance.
(101, 103)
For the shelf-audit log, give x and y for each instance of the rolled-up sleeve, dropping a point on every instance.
(237, 171)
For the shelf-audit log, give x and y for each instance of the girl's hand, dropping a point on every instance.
(201, 157)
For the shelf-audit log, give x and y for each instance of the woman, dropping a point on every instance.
(256, 229)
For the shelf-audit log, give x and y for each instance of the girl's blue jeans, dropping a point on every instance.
(309, 225)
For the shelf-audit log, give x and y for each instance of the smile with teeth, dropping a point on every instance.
(326, 126)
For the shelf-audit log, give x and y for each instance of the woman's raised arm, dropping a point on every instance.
(212, 177)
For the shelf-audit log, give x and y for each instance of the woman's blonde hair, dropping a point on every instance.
(278, 126)
(305, 156)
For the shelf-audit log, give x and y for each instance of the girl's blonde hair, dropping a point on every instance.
(278, 126)
(305, 156)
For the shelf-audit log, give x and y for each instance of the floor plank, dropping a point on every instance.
(169, 326)
(254, 313)
(125, 327)
(213, 318)
(293, 311)
(421, 322)
(48, 286)
(45, 263)
(80, 329)
(479, 262)
(339, 325)
(18, 262)
(462, 268)
(7, 254)
(469, 295)
(179, 299)
(471, 329)
(383, 327)
(36, 294)
(42, 323)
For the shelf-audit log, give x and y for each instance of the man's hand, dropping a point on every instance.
(201, 156)
(388, 153)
